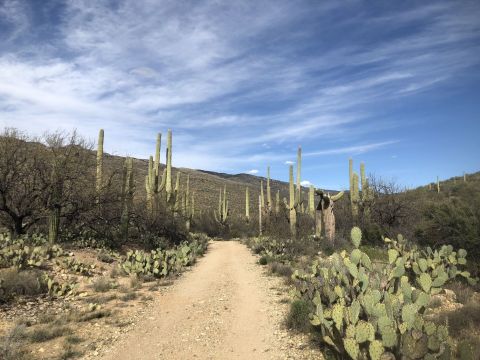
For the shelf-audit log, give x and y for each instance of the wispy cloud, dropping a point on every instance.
(235, 95)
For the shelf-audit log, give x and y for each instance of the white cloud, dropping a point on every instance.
(253, 171)
(305, 183)
(288, 162)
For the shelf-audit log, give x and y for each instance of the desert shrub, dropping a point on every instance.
(101, 284)
(463, 319)
(42, 334)
(298, 315)
(451, 221)
(463, 292)
(281, 269)
(10, 344)
(27, 282)
(263, 260)
(468, 348)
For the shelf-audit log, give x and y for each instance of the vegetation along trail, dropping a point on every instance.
(222, 309)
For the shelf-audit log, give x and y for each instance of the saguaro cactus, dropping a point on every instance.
(55, 204)
(438, 185)
(299, 171)
(354, 195)
(464, 177)
(277, 202)
(247, 204)
(260, 215)
(127, 196)
(291, 205)
(262, 195)
(311, 201)
(269, 194)
(153, 184)
(325, 217)
(168, 183)
(99, 179)
(223, 211)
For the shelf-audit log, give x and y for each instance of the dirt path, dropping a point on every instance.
(223, 309)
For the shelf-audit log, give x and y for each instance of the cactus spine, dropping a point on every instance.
(99, 179)
(247, 204)
(223, 211)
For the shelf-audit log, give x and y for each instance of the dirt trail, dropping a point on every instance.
(222, 309)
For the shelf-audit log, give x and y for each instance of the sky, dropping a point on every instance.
(242, 84)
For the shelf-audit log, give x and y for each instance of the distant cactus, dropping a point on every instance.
(325, 217)
(127, 196)
(247, 204)
(99, 179)
(269, 193)
(168, 181)
(222, 215)
(311, 201)
(277, 202)
(260, 215)
(438, 185)
(291, 204)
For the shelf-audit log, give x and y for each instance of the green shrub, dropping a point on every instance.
(27, 282)
(298, 316)
(101, 284)
(263, 260)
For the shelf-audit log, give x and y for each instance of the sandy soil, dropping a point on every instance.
(225, 308)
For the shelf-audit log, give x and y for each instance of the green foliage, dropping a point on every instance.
(76, 266)
(161, 262)
(57, 289)
(370, 313)
(22, 252)
(297, 317)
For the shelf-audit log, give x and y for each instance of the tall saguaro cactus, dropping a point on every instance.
(291, 204)
(262, 195)
(127, 196)
(438, 185)
(260, 215)
(299, 171)
(223, 211)
(354, 195)
(168, 184)
(277, 202)
(99, 179)
(247, 204)
(325, 217)
(153, 184)
(269, 193)
(311, 201)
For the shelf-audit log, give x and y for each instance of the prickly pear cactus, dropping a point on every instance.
(368, 313)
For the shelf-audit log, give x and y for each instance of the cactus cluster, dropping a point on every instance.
(161, 262)
(21, 253)
(76, 267)
(364, 313)
(57, 289)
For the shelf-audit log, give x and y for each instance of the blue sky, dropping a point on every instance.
(243, 83)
